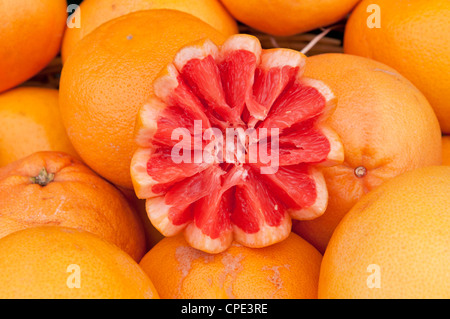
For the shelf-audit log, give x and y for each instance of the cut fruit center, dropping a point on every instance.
(230, 145)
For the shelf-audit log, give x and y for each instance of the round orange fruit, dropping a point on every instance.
(394, 243)
(30, 37)
(110, 75)
(412, 37)
(53, 262)
(446, 150)
(287, 270)
(30, 121)
(51, 188)
(386, 125)
(94, 13)
(288, 17)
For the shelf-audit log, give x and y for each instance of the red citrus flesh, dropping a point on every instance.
(245, 185)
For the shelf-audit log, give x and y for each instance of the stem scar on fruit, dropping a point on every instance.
(43, 178)
(360, 171)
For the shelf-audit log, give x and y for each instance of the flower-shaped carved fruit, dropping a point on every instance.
(231, 144)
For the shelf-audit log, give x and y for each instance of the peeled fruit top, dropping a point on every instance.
(231, 143)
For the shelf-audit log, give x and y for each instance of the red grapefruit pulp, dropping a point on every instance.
(231, 145)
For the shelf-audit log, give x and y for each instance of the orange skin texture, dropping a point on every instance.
(289, 17)
(287, 270)
(76, 198)
(43, 263)
(152, 235)
(30, 37)
(30, 121)
(403, 228)
(446, 150)
(110, 75)
(386, 126)
(96, 12)
(413, 39)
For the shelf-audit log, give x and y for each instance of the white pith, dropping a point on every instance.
(147, 117)
(142, 181)
(266, 235)
(195, 52)
(158, 213)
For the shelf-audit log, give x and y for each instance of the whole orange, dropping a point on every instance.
(93, 13)
(394, 243)
(30, 121)
(53, 262)
(386, 125)
(51, 188)
(288, 269)
(109, 76)
(30, 37)
(288, 17)
(413, 38)
(446, 150)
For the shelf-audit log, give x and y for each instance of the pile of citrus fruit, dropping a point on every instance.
(159, 149)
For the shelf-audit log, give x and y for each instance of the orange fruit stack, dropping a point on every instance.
(92, 103)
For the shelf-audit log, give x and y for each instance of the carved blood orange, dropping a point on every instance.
(231, 144)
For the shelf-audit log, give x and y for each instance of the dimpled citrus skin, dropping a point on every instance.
(446, 150)
(386, 126)
(30, 121)
(401, 230)
(96, 12)
(44, 262)
(30, 37)
(288, 17)
(76, 197)
(110, 75)
(288, 269)
(413, 39)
